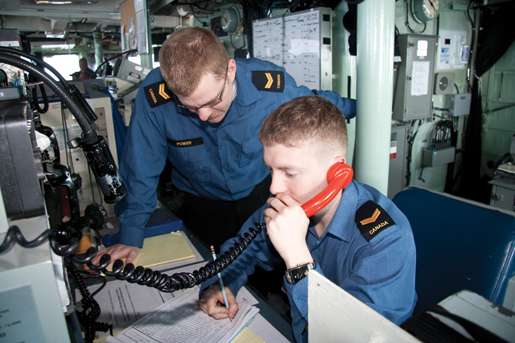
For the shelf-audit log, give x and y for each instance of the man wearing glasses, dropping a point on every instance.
(202, 111)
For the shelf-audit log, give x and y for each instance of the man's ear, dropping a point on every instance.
(340, 158)
(232, 69)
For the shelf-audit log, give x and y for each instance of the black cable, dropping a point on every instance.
(35, 103)
(87, 276)
(65, 243)
(37, 61)
(90, 309)
(14, 235)
(113, 58)
(146, 276)
(88, 131)
(71, 90)
(104, 283)
(470, 19)
(93, 145)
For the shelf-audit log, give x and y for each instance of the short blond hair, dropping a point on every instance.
(302, 119)
(187, 55)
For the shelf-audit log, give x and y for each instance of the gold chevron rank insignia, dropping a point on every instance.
(272, 81)
(372, 219)
(158, 94)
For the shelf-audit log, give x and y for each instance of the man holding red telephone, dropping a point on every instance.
(357, 238)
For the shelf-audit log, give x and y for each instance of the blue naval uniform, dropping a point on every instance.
(380, 272)
(216, 161)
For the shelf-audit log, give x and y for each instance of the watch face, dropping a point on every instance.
(296, 274)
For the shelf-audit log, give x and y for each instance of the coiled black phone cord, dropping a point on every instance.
(14, 235)
(65, 243)
(151, 278)
(90, 309)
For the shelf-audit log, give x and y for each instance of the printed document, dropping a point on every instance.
(181, 320)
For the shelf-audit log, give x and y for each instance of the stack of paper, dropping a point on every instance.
(181, 320)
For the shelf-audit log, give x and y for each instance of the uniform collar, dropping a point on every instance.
(342, 225)
(153, 77)
(247, 93)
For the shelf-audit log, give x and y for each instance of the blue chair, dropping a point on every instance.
(460, 244)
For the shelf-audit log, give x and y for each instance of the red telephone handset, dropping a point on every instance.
(339, 176)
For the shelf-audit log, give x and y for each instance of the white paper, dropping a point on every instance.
(123, 303)
(420, 78)
(292, 42)
(181, 320)
(422, 48)
(355, 322)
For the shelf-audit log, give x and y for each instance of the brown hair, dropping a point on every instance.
(187, 55)
(305, 118)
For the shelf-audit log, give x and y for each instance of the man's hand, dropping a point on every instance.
(212, 302)
(118, 251)
(287, 226)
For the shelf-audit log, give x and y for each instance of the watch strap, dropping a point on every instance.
(297, 273)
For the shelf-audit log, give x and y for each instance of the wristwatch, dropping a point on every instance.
(295, 274)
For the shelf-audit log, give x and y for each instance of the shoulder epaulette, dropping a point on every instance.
(272, 81)
(372, 219)
(158, 94)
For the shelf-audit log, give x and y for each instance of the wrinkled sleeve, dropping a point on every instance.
(383, 277)
(142, 162)
(259, 252)
(346, 106)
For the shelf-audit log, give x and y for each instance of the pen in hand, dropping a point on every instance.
(221, 283)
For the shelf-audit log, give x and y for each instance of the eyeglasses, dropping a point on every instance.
(209, 104)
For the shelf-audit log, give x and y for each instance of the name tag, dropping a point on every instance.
(185, 143)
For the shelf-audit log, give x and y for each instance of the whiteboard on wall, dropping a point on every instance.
(301, 43)
(267, 35)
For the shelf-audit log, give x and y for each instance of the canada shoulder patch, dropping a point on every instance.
(372, 219)
(271, 80)
(158, 94)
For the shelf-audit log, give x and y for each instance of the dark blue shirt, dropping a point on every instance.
(379, 272)
(225, 162)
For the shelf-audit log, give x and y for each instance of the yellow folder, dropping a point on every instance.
(247, 336)
(170, 247)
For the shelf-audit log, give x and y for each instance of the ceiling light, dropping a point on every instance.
(53, 2)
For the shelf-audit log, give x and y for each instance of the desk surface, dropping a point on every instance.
(272, 316)
(268, 324)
